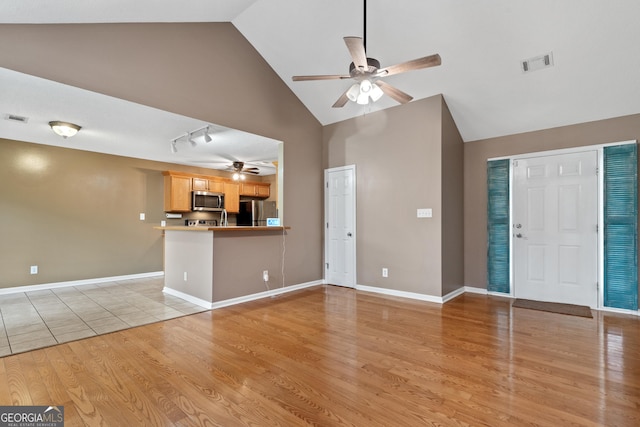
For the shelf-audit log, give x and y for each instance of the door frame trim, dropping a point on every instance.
(600, 196)
(351, 167)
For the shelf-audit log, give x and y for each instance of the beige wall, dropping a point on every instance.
(170, 67)
(476, 154)
(452, 204)
(398, 155)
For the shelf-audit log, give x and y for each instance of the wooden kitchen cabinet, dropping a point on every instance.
(204, 184)
(231, 197)
(178, 187)
(216, 186)
(177, 193)
(255, 189)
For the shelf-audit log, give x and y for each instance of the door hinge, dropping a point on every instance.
(515, 163)
(327, 265)
(597, 170)
(327, 183)
(327, 225)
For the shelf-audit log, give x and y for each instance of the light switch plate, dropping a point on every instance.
(425, 213)
(142, 216)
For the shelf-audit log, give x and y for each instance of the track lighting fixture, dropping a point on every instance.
(207, 137)
(192, 141)
(191, 138)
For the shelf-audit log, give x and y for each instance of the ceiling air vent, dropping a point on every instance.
(16, 118)
(537, 63)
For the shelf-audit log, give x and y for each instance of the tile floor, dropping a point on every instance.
(30, 320)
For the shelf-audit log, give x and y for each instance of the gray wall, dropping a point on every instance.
(476, 154)
(151, 64)
(400, 154)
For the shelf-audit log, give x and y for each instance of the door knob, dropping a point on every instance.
(349, 234)
(519, 236)
(518, 226)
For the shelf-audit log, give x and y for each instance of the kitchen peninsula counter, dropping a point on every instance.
(222, 228)
(214, 266)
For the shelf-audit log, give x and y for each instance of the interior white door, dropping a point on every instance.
(555, 218)
(340, 226)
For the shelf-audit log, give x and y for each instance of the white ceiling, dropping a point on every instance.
(594, 45)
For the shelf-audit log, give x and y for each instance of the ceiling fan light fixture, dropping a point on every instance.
(353, 92)
(64, 129)
(376, 92)
(365, 86)
(236, 176)
(363, 98)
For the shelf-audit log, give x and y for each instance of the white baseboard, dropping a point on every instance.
(473, 290)
(422, 297)
(45, 286)
(239, 300)
(402, 294)
(619, 310)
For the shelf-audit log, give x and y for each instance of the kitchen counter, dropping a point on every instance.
(211, 266)
(219, 228)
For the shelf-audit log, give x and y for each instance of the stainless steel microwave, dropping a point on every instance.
(207, 201)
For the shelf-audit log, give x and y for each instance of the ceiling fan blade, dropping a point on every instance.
(341, 101)
(416, 64)
(394, 92)
(320, 77)
(356, 49)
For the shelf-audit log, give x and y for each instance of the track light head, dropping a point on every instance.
(192, 141)
(174, 149)
(207, 137)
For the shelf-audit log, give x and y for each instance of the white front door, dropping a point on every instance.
(340, 226)
(555, 217)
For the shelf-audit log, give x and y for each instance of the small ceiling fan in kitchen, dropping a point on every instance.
(368, 73)
(239, 170)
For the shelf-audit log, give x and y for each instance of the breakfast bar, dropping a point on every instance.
(214, 266)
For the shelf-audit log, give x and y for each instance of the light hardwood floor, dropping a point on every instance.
(333, 356)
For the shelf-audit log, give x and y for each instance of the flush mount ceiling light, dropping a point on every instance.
(64, 129)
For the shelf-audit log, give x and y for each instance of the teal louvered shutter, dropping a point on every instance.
(621, 227)
(498, 226)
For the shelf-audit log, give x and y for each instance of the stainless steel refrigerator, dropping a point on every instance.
(256, 212)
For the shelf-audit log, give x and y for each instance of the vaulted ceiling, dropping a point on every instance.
(593, 45)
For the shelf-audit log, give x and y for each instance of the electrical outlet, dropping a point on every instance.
(34, 269)
(265, 275)
(385, 272)
(185, 276)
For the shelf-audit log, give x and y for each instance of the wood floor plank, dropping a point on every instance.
(331, 356)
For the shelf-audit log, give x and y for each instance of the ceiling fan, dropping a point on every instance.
(367, 73)
(239, 170)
